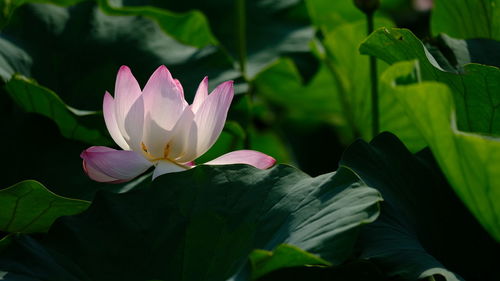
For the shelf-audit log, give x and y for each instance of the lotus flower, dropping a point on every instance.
(157, 127)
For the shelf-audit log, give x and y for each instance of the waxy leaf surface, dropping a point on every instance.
(200, 225)
(29, 207)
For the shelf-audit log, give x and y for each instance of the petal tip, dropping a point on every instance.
(124, 68)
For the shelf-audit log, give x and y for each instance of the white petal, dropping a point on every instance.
(127, 91)
(164, 104)
(182, 135)
(201, 95)
(134, 125)
(165, 167)
(110, 120)
(209, 121)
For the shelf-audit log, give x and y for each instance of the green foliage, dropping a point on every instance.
(29, 207)
(421, 222)
(471, 162)
(476, 91)
(35, 98)
(272, 28)
(466, 19)
(201, 225)
(303, 89)
(264, 262)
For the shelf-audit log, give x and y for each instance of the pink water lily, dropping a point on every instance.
(157, 127)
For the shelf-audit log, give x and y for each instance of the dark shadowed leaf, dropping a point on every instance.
(423, 225)
(452, 54)
(37, 99)
(84, 47)
(272, 28)
(200, 225)
(190, 28)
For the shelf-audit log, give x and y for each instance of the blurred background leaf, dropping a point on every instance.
(467, 20)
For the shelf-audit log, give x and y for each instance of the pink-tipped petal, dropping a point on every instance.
(164, 104)
(165, 167)
(179, 87)
(127, 91)
(209, 121)
(104, 164)
(250, 157)
(110, 120)
(201, 94)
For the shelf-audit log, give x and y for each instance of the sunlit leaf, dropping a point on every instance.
(283, 256)
(476, 92)
(467, 19)
(471, 162)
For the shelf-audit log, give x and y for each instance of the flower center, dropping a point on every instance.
(166, 151)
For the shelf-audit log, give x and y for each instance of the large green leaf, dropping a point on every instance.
(476, 92)
(471, 162)
(199, 225)
(29, 207)
(272, 28)
(190, 28)
(467, 19)
(423, 229)
(36, 149)
(35, 98)
(84, 47)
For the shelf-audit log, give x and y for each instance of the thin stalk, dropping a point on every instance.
(241, 35)
(374, 81)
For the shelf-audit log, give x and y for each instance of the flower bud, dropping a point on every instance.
(367, 6)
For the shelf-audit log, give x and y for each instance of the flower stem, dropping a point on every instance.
(374, 81)
(241, 33)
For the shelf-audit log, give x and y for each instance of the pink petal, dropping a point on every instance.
(110, 120)
(209, 121)
(165, 167)
(104, 164)
(127, 92)
(179, 87)
(164, 103)
(250, 157)
(201, 95)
